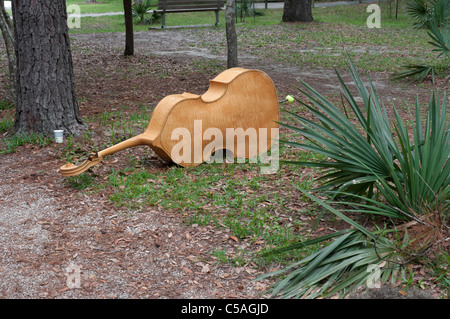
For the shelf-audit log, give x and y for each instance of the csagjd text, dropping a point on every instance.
(232, 308)
(255, 309)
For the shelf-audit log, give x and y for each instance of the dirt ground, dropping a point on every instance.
(49, 231)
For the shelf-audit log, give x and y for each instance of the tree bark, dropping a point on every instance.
(129, 37)
(46, 98)
(297, 11)
(232, 59)
(6, 26)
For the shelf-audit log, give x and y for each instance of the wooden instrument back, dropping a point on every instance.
(239, 109)
(238, 99)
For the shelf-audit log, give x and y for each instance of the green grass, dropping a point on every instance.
(100, 7)
(253, 207)
(6, 124)
(355, 15)
(6, 104)
(336, 30)
(209, 195)
(16, 140)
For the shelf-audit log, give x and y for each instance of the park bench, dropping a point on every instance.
(174, 6)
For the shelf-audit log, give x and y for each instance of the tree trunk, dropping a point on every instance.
(46, 98)
(297, 11)
(232, 60)
(129, 37)
(6, 26)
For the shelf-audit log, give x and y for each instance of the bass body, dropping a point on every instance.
(239, 111)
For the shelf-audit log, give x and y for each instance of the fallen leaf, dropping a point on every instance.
(63, 289)
(250, 270)
(187, 270)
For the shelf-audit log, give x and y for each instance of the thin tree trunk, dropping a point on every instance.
(232, 60)
(129, 37)
(46, 98)
(6, 26)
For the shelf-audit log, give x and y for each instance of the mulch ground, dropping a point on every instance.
(49, 230)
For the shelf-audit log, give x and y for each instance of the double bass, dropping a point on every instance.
(181, 127)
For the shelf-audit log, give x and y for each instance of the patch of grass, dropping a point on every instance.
(98, 7)
(13, 142)
(210, 194)
(6, 104)
(357, 15)
(238, 258)
(439, 270)
(6, 124)
(210, 66)
(254, 207)
(336, 30)
(80, 182)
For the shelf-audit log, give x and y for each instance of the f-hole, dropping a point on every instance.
(221, 156)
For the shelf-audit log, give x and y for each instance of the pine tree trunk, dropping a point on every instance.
(7, 30)
(297, 11)
(232, 60)
(129, 36)
(46, 98)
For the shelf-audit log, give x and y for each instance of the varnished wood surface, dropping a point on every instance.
(237, 99)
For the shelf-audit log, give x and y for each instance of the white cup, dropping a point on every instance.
(58, 136)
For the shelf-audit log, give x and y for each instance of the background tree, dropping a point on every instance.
(129, 37)
(46, 98)
(232, 60)
(297, 11)
(6, 26)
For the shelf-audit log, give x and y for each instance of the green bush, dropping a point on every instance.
(373, 167)
(434, 15)
(140, 9)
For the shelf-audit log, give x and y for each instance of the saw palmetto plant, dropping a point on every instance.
(140, 11)
(424, 12)
(373, 166)
(434, 16)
